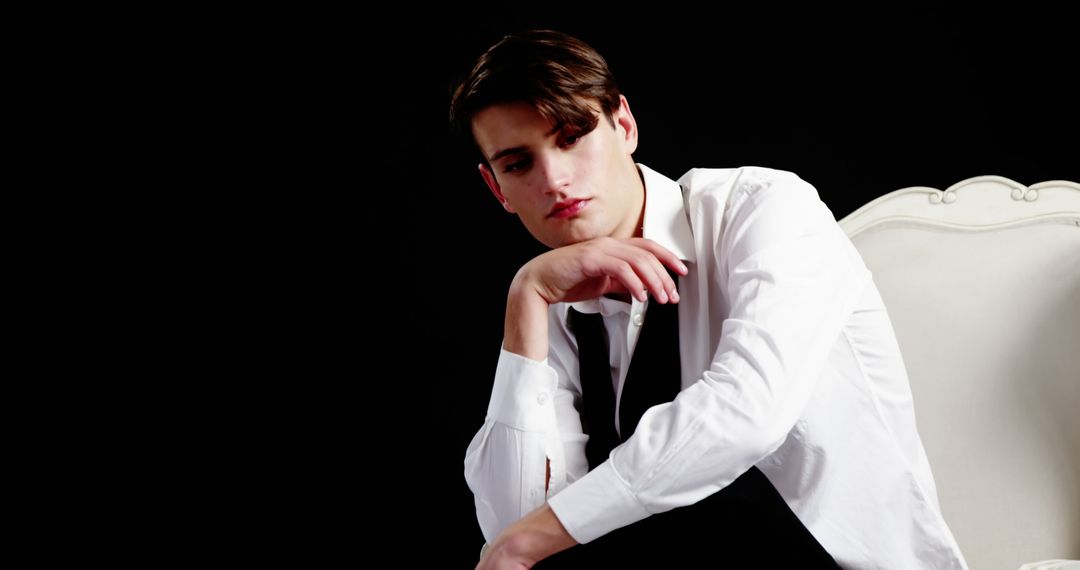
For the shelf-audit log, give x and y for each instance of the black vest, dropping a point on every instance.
(653, 377)
(744, 524)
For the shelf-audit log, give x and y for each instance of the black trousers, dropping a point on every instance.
(746, 524)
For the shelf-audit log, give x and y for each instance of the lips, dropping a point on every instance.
(568, 208)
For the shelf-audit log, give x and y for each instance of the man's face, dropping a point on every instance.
(566, 187)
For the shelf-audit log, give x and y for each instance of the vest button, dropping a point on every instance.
(639, 319)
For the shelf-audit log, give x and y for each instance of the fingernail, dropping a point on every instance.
(663, 298)
(683, 267)
(675, 296)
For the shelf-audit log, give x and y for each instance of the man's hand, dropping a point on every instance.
(592, 268)
(584, 270)
(521, 545)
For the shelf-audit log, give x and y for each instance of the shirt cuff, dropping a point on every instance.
(523, 393)
(596, 504)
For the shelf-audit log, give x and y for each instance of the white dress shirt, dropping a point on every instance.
(789, 363)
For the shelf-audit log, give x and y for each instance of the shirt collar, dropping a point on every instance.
(665, 222)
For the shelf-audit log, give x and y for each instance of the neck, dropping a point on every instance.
(633, 224)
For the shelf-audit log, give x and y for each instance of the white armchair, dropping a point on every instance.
(982, 284)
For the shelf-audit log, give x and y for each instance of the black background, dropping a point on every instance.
(857, 103)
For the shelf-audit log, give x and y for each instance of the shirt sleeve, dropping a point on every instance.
(532, 417)
(792, 278)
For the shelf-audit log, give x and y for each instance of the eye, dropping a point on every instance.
(515, 166)
(571, 139)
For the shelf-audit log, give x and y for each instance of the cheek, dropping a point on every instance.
(604, 156)
(530, 204)
(589, 161)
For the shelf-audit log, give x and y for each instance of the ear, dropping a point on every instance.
(493, 184)
(625, 125)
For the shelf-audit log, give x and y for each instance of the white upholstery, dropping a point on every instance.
(982, 284)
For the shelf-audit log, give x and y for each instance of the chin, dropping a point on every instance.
(577, 237)
(575, 234)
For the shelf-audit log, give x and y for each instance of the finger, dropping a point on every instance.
(669, 284)
(664, 254)
(648, 274)
(652, 273)
(664, 287)
(623, 271)
(645, 265)
(665, 257)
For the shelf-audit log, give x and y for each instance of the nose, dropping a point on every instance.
(555, 172)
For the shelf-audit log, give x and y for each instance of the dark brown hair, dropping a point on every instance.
(555, 73)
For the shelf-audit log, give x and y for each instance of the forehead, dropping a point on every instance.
(507, 125)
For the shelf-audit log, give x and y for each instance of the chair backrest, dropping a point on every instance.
(982, 284)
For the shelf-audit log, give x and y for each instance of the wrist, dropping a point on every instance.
(538, 535)
(526, 324)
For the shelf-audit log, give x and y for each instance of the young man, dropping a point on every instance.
(696, 368)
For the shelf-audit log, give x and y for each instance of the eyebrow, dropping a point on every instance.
(519, 149)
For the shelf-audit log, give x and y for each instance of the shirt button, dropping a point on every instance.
(639, 319)
(542, 398)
